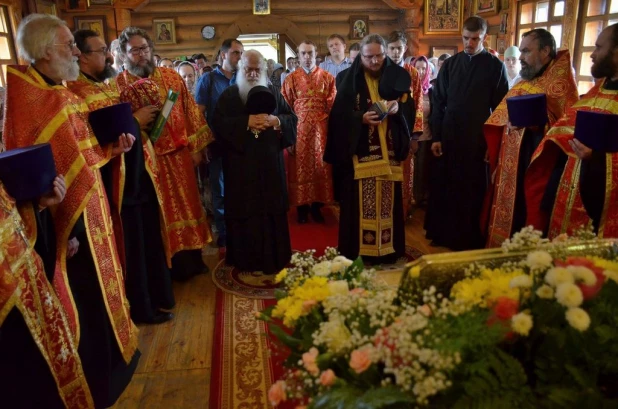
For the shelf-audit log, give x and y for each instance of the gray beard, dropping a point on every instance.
(245, 86)
(528, 72)
(140, 71)
(68, 70)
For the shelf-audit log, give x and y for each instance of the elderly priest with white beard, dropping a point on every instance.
(254, 124)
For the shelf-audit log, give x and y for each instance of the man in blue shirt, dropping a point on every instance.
(337, 61)
(209, 88)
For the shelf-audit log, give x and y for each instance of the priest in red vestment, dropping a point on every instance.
(586, 186)
(148, 279)
(178, 150)
(36, 343)
(88, 277)
(310, 91)
(544, 71)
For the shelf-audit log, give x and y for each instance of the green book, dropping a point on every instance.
(157, 128)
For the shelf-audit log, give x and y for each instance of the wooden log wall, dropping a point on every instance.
(315, 19)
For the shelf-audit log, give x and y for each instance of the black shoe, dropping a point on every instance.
(159, 318)
(316, 214)
(302, 212)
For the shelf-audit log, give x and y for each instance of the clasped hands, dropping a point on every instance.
(262, 122)
(372, 117)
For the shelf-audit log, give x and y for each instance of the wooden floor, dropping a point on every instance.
(174, 370)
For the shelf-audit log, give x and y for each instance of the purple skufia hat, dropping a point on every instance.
(28, 173)
(597, 130)
(527, 110)
(261, 100)
(109, 122)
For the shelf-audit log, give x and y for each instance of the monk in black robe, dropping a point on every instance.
(256, 200)
(470, 86)
(369, 150)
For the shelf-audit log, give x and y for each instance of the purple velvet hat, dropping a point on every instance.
(28, 173)
(261, 101)
(596, 130)
(109, 122)
(527, 110)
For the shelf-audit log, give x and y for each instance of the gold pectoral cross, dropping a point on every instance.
(19, 228)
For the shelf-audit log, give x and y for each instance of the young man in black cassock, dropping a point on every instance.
(256, 200)
(369, 150)
(469, 87)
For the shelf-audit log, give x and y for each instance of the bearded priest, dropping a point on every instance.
(253, 140)
(586, 187)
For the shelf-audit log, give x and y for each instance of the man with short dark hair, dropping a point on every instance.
(148, 281)
(469, 87)
(370, 148)
(178, 150)
(396, 47)
(510, 150)
(255, 187)
(587, 188)
(200, 60)
(208, 90)
(337, 61)
(310, 91)
(291, 66)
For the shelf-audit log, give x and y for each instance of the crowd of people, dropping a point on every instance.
(374, 132)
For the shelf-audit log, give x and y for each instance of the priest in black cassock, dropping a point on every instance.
(369, 148)
(469, 87)
(256, 199)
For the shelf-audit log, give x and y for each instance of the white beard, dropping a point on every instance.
(244, 86)
(68, 70)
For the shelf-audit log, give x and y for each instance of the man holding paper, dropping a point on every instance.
(510, 148)
(369, 138)
(587, 185)
(178, 143)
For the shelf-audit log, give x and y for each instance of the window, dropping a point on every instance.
(547, 14)
(598, 15)
(7, 53)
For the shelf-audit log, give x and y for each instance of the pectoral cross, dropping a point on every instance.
(19, 228)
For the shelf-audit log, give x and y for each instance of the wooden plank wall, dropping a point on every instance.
(316, 19)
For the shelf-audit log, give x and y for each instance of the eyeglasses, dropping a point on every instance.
(103, 51)
(137, 51)
(70, 44)
(378, 57)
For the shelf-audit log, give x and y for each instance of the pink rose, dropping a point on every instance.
(309, 361)
(276, 393)
(425, 310)
(359, 360)
(308, 305)
(327, 378)
(359, 291)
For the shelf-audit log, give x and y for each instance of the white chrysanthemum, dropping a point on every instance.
(521, 323)
(545, 292)
(339, 287)
(539, 260)
(345, 261)
(578, 319)
(559, 275)
(322, 269)
(522, 281)
(336, 267)
(569, 295)
(583, 274)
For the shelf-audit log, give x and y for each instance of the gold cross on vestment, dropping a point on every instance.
(99, 235)
(369, 238)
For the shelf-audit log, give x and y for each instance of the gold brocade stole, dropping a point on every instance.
(376, 174)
